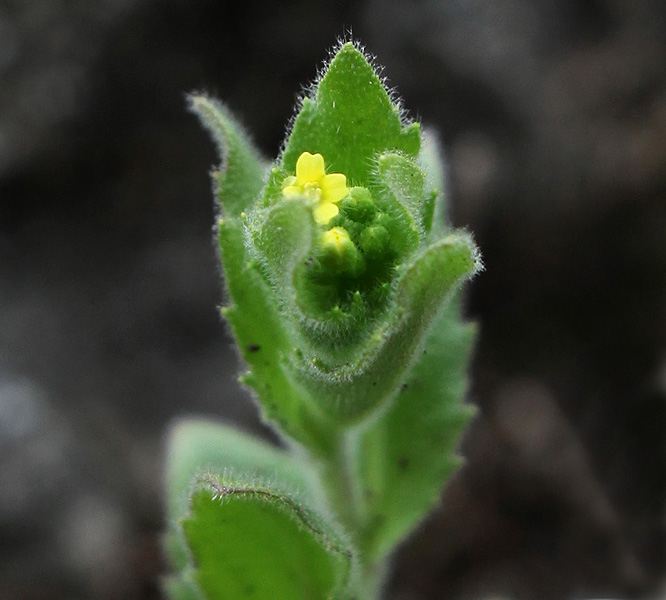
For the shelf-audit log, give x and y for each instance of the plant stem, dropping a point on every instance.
(370, 582)
(340, 478)
(348, 497)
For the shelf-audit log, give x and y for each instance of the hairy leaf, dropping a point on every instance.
(399, 176)
(408, 454)
(350, 119)
(251, 540)
(241, 173)
(265, 343)
(197, 446)
(347, 392)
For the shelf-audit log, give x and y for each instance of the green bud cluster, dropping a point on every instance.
(354, 257)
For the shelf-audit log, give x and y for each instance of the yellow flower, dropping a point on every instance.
(311, 181)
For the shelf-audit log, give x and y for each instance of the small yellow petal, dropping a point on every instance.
(291, 191)
(325, 212)
(309, 167)
(334, 187)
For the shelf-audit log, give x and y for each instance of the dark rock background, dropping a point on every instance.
(553, 114)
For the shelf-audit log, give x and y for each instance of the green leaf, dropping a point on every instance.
(265, 343)
(401, 179)
(349, 391)
(196, 446)
(282, 236)
(408, 454)
(349, 119)
(251, 540)
(241, 173)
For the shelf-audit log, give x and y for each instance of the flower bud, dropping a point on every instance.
(359, 206)
(374, 241)
(338, 254)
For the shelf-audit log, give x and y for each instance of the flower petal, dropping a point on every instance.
(309, 168)
(334, 187)
(325, 212)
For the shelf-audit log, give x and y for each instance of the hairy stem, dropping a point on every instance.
(340, 478)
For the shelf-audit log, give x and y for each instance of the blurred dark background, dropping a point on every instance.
(553, 116)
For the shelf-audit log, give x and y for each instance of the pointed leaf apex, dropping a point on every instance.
(349, 117)
(240, 177)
